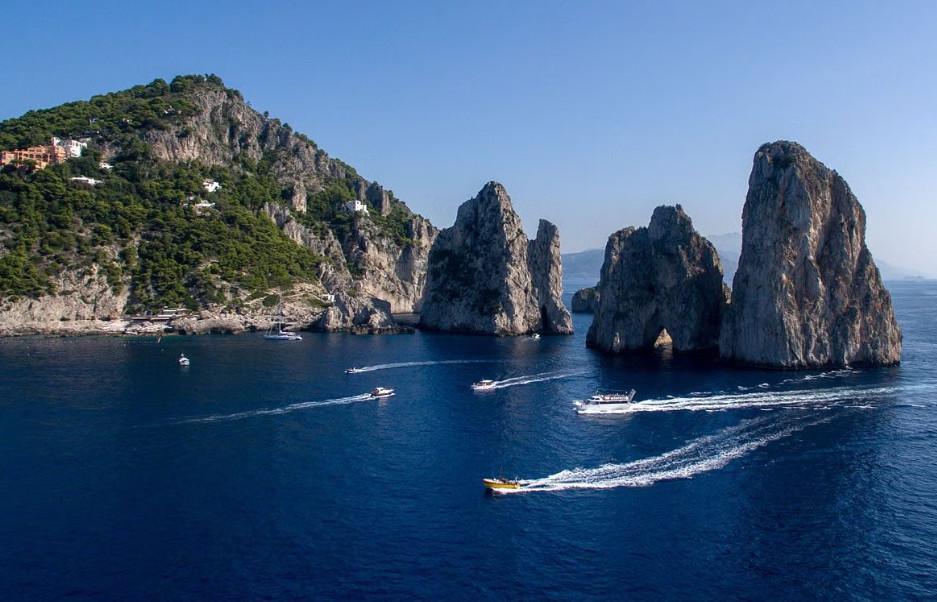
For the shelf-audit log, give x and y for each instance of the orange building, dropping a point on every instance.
(42, 156)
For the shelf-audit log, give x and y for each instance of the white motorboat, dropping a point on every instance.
(354, 370)
(606, 402)
(183, 360)
(483, 385)
(381, 392)
(535, 336)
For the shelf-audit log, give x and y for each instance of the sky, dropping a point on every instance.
(590, 113)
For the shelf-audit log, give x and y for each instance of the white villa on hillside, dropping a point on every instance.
(86, 180)
(357, 206)
(210, 185)
(73, 148)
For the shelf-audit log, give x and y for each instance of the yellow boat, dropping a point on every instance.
(501, 483)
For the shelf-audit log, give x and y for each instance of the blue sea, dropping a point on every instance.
(262, 472)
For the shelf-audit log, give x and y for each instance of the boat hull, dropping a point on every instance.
(498, 484)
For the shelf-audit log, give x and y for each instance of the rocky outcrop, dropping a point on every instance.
(485, 277)
(585, 300)
(546, 274)
(665, 276)
(83, 303)
(353, 314)
(806, 292)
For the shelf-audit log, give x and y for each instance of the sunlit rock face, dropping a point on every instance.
(806, 293)
(485, 277)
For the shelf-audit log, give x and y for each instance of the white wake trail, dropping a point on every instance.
(394, 365)
(533, 378)
(704, 454)
(305, 405)
(760, 399)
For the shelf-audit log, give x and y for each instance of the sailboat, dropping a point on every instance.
(278, 334)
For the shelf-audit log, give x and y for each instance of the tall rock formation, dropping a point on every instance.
(665, 276)
(485, 277)
(546, 274)
(806, 292)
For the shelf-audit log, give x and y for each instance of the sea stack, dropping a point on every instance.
(665, 276)
(485, 277)
(585, 300)
(806, 293)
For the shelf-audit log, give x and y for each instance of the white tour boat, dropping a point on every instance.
(183, 360)
(483, 385)
(606, 402)
(381, 392)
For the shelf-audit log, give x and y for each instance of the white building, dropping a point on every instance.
(73, 148)
(357, 206)
(203, 204)
(210, 185)
(86, 180)
(105, 166)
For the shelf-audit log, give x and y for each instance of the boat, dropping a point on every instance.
(354, 370)
(483, 385)
(606, 402)
(280, 334)
(381, 393)
(183, 360)
(496, 483)
(535, 336)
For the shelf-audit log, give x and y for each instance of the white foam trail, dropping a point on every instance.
(391, 366)
(760, 399)
(305, 405)
(704, 454)
(533, 378)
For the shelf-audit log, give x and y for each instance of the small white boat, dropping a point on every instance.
(535, 336)
(354, 370)
(183, 360)
(606, 402)
(483, 385)
(381, 392)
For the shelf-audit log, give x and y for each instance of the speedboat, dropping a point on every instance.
(381, 392)
(495, 483)
(606, 402)
(354, 370)
(483, 385)
(183, 360)
(535, 336)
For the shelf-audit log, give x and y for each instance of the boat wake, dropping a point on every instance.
(761, 399)
(704, 454)
(533, 378)
(392, 366)
(293, 407)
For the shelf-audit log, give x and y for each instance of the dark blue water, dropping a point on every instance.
(123, 476)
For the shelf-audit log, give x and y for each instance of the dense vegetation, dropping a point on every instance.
(139, 225)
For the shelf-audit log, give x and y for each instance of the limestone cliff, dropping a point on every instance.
(806, 292)
(485, 277)
(665, 276)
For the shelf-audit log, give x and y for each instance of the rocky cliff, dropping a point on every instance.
(485, 277)
(161, 237)
(665, 276)
(806, 292)
(224, 129)
(585, 300)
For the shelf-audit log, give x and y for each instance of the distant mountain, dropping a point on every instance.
(586, 265)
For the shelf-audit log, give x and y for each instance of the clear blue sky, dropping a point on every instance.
(591, 113)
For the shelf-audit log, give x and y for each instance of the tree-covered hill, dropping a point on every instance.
(148, 225)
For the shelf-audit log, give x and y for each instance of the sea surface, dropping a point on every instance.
(262, 472)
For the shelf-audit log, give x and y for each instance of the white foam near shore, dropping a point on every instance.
(305, 405)
(707, 453)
